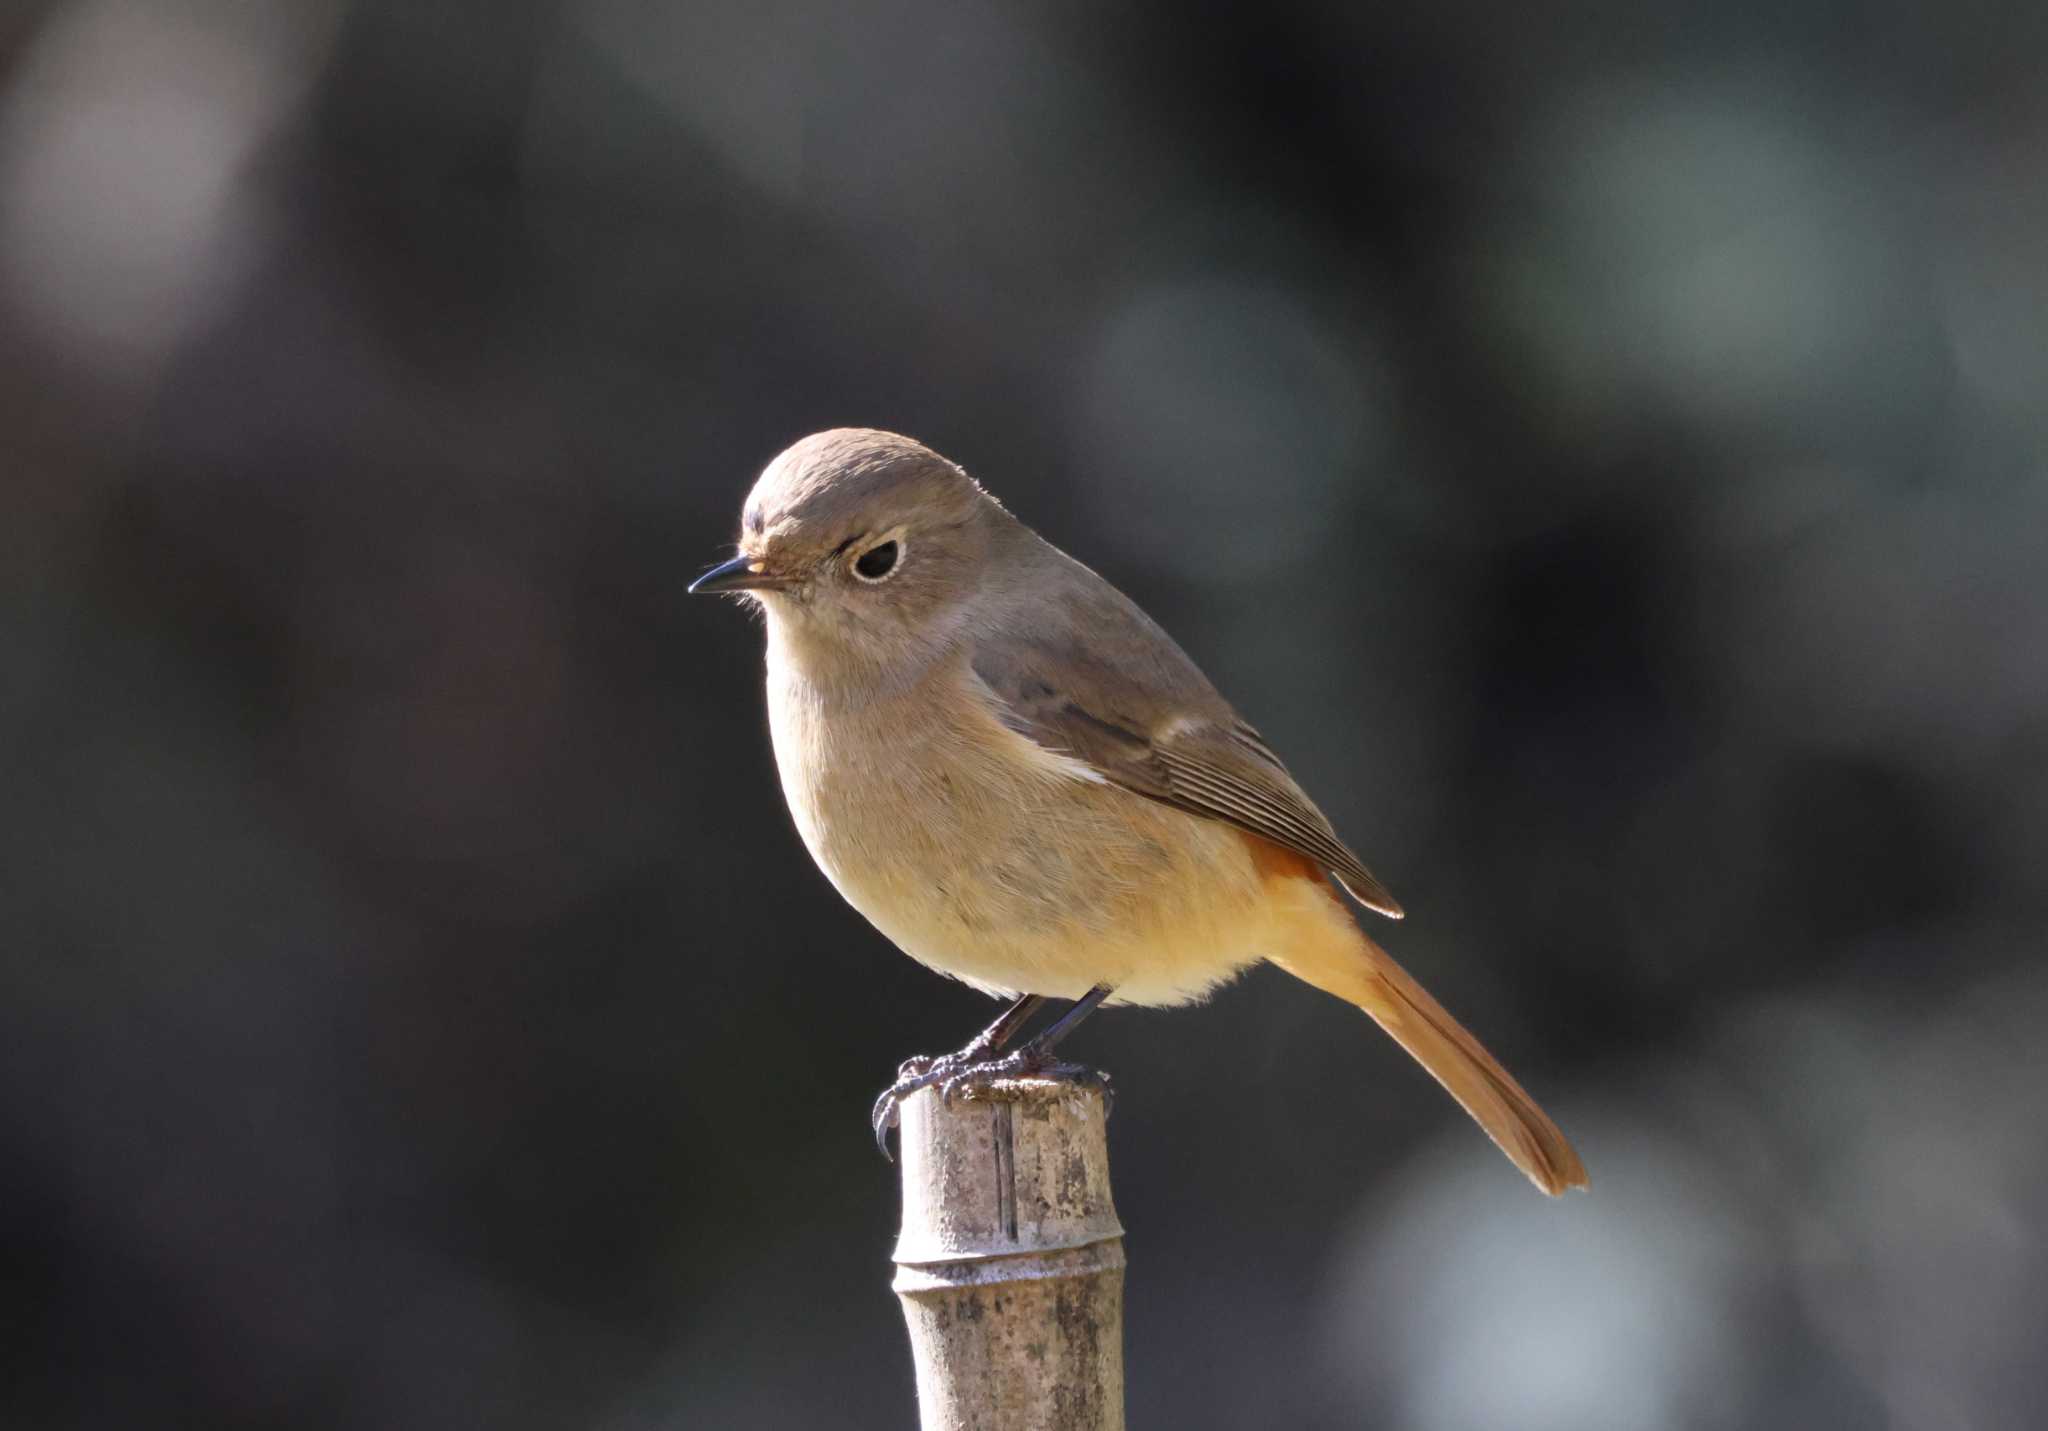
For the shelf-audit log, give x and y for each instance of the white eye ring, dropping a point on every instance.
(892, 542)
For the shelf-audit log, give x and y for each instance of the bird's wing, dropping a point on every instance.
(1153, 725)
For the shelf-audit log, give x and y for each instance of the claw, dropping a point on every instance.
(882, 1119)
(914, 1073)
(961, 1072)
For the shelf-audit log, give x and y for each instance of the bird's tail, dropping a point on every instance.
(1359, 972)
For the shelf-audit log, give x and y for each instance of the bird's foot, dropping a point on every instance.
(971, 1070)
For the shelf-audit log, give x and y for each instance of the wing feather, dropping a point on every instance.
(1194, 754)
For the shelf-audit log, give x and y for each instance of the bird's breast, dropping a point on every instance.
(987, 857)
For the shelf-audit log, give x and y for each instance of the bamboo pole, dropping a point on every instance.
(1010, 1264)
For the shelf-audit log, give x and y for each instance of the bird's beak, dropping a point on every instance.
(742, 573)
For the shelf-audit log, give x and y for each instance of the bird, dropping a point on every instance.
(1024, 783)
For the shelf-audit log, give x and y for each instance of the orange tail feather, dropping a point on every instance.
(1359, 972)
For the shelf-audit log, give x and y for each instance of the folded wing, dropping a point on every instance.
(1165, 735)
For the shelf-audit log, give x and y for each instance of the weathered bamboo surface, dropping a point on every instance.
(1010, 1263)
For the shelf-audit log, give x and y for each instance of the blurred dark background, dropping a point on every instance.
(1603, 446)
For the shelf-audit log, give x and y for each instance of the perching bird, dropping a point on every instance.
(1022, 781)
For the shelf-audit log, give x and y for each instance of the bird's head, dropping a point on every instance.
(861, 540)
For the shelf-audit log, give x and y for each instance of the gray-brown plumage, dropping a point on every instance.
(1024, 783)
(1162, 732)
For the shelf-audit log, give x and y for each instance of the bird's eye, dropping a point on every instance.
(877, 561)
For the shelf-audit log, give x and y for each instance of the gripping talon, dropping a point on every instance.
(981, 1062)
(883, 1115)
(957, 1073)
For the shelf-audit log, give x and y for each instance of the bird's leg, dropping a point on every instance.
(1041, 1047)
(1036, 1057)
(982, 1060)
(923, 1070)
(983, 1046)
(952, 1074)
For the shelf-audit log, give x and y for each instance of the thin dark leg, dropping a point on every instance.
(983, 1057)
(996, 1037)
(922, 1072)
(1049, 1037)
